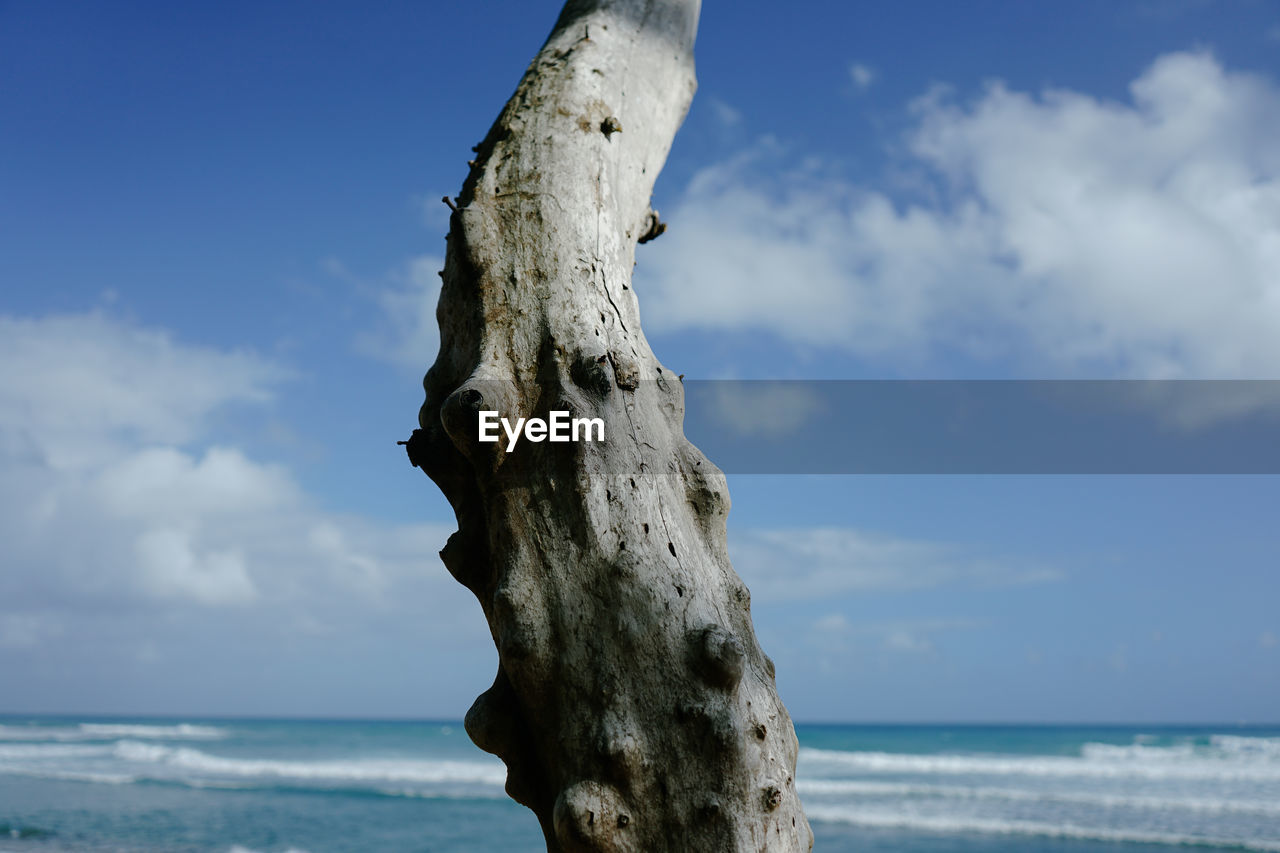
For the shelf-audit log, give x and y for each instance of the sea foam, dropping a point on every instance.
(1207, 805)
(1182, 761)
(110, 731)
(951, 825)
(346, 771)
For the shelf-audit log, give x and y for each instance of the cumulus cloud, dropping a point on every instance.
(725, 114)
(406, 334)
(114, 494)
(1065, 232)
(770, 409)
(817, 563)
(903, 640)
(862, 76)
(834, 636)
(170, 567)
(73, 376)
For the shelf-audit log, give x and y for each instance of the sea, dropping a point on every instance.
(308, 786)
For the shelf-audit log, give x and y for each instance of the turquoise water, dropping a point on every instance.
(249, 786)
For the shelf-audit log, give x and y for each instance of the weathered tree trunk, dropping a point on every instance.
(633, 706)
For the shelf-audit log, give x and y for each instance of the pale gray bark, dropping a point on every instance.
(633, 707)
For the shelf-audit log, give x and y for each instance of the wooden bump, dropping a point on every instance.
(610, 126)
(457, 559)
(490, 722)
(772, 798)
(459, 415)
(593, 374)
(588, 816)
(719, 656)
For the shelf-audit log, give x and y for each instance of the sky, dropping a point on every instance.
(219, 234)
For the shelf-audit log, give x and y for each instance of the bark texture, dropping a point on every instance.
(633, 707)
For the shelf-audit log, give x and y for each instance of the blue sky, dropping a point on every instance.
(219, 231)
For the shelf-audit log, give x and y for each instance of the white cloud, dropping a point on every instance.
(762, 408)
(903, 640)
(1267, 640)
(110, 494)
(164, 482)
(832, 623)
(150, 563)
(71, 376)
(835, 632)
(725, 114)
(822, 562)
(407, 334)
(862, 76)
(1069, 233)
(171, 567)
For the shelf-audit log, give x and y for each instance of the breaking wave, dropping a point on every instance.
(109, 731)
(989, 826)
(132, 761)
(1225, 757)
(1219, 791)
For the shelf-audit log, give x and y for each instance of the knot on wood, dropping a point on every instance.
(772, 798)
(610, 126)
(416, 448)
(626, 371)
(621, 750)
(592, 374)
(653, 226)
(459, 416)
(718, 656)
(706, 488)
(459, 557)
(490, 722)
(588, 817)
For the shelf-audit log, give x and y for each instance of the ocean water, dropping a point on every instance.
(288, 786)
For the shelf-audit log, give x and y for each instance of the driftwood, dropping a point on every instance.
(633, 707)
